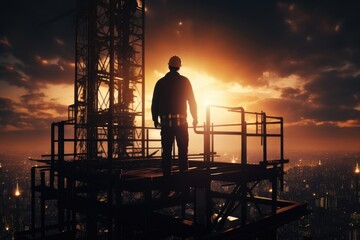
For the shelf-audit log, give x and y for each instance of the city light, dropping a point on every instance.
(17, 190)
(357, 170)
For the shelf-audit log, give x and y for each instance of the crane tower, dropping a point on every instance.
(108, 111)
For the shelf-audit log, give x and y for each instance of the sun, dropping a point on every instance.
(207, 89)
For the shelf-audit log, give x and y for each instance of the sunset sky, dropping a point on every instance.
(296, 59)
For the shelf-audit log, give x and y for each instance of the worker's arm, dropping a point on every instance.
(192, 105)
(155, 106)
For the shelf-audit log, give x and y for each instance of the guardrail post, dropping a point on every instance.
(42, 204)
(243, 138)
(207, 136)
(264, 136)
(33, 202)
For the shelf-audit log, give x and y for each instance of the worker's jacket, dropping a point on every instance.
(170, 98)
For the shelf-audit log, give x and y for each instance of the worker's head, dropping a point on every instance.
(174, 63)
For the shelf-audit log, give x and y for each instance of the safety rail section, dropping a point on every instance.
(130, 198)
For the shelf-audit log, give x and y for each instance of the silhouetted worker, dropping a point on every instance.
(171, 95)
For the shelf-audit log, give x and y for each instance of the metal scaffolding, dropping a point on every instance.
(103, 177)
(109, 80)
(211, 200)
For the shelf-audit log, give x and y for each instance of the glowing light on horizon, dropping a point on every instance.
(17, 190)
(211, 90)
(357, 169)
(207, 89)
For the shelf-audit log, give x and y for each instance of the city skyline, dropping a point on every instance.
(329, 187)
(296, 60)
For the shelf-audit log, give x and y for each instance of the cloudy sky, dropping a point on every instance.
(296, 59)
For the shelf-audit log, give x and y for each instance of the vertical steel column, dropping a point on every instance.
(207, 136)
(264, 136)
(81, 94)
(52, 157)
(202, 201)
(61, 195)
(32, 227)
(282, 140)
(212, 143)
(92, 99)
(147, 143)
(42, 205)
(274, 190)
(243, 199)
(91, 108)
(68, 199)
(282, 153)
(117, 208)
(73, 207)
(76, 88)
(110, 133)
(243, 163)
(110, 137)
(148, 197)
(243, 138)
(143, 79)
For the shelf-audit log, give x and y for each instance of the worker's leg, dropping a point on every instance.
(182, 139)
(167, 140)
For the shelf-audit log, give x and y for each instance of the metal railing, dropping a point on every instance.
(210, 130)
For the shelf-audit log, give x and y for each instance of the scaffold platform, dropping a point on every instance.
(197, 206)
(129, 198)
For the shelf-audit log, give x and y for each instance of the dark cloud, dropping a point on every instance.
(34, 102)
(335, 96)
(28, 40)
(325, 37)
(318, 41)
(9, 116)
(327, 103)
(12, 74)
(31, 113)
(291, 109)
(334, 90)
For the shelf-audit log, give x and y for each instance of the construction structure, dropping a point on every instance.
(102, 179)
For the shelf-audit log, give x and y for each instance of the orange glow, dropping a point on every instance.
(357, 170)
(17, 190)
(207, 89)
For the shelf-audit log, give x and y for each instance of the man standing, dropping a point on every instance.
(169, 103)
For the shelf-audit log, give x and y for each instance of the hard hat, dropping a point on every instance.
(175, 61)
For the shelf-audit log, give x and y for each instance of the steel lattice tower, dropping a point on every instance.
(109, 102)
